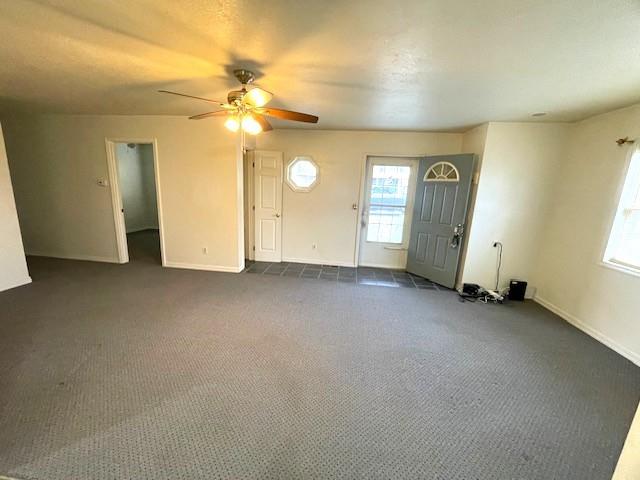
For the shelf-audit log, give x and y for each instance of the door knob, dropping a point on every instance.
(277, 215)
(458, 231)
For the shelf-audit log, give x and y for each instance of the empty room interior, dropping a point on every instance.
(347, 239)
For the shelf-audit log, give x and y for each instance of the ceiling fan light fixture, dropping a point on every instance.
(246, 108)
(251, 125)
(257, 97)
(232, 123)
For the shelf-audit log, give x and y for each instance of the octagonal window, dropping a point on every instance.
(302, 174)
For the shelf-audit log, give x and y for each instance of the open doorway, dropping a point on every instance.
(134, 187)
(387, 210)
(414, 213)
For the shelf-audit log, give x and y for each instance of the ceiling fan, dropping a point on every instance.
(246, 107)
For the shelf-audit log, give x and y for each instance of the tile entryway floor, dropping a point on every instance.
(361, 275)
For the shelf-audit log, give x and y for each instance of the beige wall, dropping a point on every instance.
(56, 161)
(473, 141)
(13, 266)
(325, 216)
(513, 198)
(571, 279)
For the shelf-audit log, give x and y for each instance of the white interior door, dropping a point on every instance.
(268, 206)
(386, 214)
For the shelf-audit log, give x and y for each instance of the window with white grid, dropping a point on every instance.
(388, 203)
(623, 248)
(302, 174)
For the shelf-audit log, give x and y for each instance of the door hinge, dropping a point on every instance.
(253, 208)
(254, 248)
(253, 164)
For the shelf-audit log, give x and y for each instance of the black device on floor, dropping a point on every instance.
(471, 289)
(471, 292)
(517, 289)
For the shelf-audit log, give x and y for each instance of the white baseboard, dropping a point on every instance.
(90, 258)
(592, 332)
(378, 265)
(209, 268)
(315, 261)
(10, 285)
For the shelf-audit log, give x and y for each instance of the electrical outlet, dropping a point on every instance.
(205, 250)
(314, 246)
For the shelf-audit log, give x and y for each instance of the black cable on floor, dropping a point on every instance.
(499, 246)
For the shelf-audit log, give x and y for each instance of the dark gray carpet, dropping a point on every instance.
(138, 372)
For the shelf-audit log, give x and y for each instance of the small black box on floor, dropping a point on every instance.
(517, 289)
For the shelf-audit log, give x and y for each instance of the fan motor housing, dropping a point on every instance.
(235, 96)
(244, 76)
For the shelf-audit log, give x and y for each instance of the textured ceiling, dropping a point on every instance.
(370, 64)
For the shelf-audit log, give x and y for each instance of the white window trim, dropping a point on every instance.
(292, 184)
(618, 267)
(611, 263)
(404, 244)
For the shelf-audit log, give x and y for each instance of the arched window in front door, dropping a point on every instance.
(442, 172)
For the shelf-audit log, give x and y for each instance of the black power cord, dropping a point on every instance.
(473, 293)
(499, 246)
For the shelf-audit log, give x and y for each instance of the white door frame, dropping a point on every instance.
(250, 239)
(413, 163)
(363, 188)
(116, 195)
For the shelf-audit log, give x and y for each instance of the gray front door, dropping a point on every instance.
(439, 214)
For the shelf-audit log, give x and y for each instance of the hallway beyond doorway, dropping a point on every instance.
(144, 246)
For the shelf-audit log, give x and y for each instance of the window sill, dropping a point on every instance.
(620, 268)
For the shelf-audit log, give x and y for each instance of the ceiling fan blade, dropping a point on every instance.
(217, 113)
(264, 123)
(257, 97)
(222, 104)
(289, 115)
